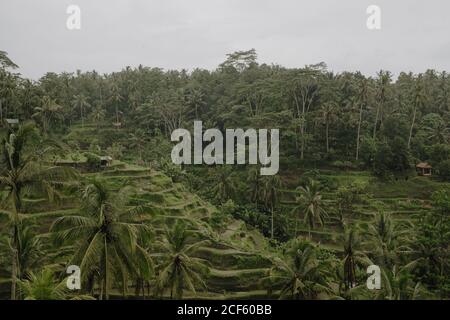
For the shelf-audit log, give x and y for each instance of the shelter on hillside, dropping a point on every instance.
(12, 122)
(106, 161)
(424, 169)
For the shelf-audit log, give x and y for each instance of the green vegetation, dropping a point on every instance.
(139, 227)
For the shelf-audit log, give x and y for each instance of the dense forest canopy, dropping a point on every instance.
(324, 117)
(374, 129)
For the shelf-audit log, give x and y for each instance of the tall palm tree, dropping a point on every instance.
(353, 256)
(271, 190)
(196, 99)
(21, 172)
(138, 140)
(419, 101)
(328, 110)
(299, 274)
(362, 100)
(309, 203)
(224, 188)
(397, 284)
(98, 114)
(179, 269)
(255, 185)
(383, 82)
(439, 132)
(80, 101)
(106, 235)
(116, 98)
(49, 111)
(29, 252)
(387, 239)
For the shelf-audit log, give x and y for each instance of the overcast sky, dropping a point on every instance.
(175, 34)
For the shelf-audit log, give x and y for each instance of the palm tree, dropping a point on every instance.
(387, 239)
(353, 256)
(397, 284)
(179, 269)
(419, 99)
(44, 286)
(362, 100)
(224, 188)
(384, 79)
(48, 112)
(107, 235)
(328, 110)
(439, 132)
(29, 251)
(6, 62)
(80, 101)
(254, 181)
(98, 114)
(138, 141)
(116, 98)
(272, 185)
(196, 99)
(309, 202)
(299, 274)
(22, 172)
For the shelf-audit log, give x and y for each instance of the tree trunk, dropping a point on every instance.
(82, 118)
(105, 275)
(359, 132)
(376, 122)
(327, 137)
(14, 273)
(271, 231)
(302, 142)
(412, 127)
(117, 116)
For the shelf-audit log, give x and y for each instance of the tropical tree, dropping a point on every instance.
(328, 111)
(22, 171)
(116, 98)
(179, 270)
(271, 194)
(138, 140)
(225, 186)
(362, 101)
(106, 236)
(397, 284)
(309, 203)
(439, 131)
(98, 114)
(387, 239)
(255, 184)
(45, 286)
(49, 112)
(299, 274)
(353, 257)
(80, 102)
(383, 83)
(5, 61)
(195, 99)
(419, 101)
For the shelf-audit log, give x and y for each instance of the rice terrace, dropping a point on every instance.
(245, 180)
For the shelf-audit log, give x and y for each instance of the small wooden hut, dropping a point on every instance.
(105, 161)
(424, 169)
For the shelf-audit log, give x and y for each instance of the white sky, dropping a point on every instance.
(175, 34)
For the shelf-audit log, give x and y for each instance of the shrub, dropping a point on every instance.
(92, 160)
(444, 170)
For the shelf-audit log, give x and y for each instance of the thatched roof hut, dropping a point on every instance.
(424, 169)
